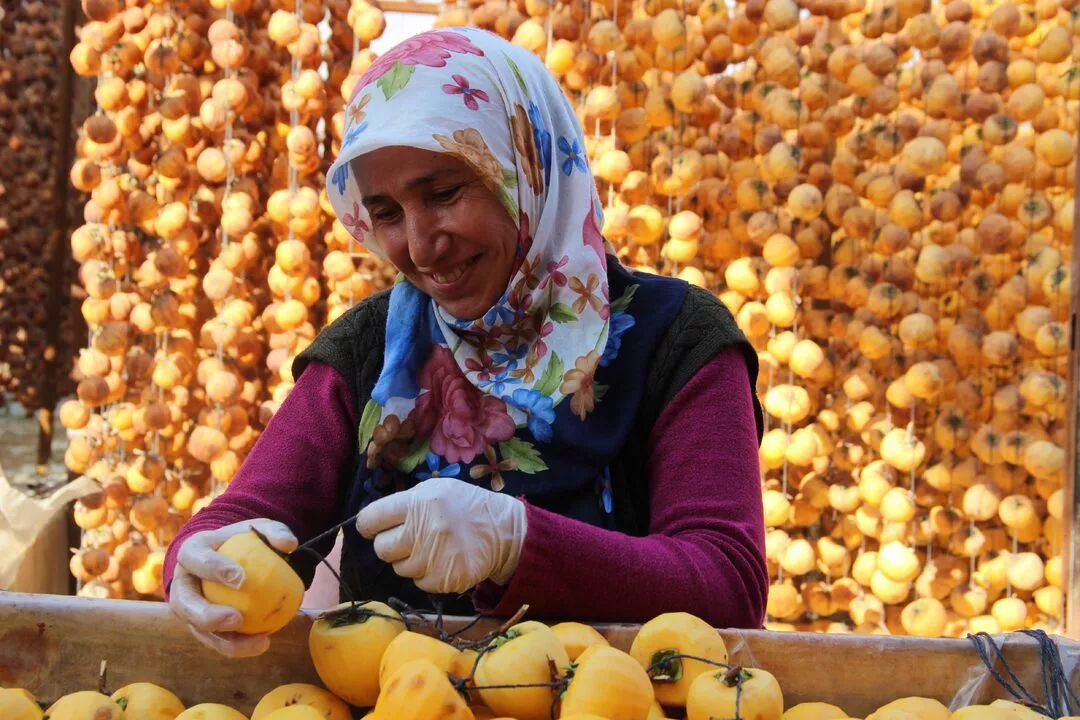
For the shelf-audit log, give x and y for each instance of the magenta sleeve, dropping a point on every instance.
(705, 552)
(295, 471)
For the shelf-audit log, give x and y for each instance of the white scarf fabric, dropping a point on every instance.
(494, 105)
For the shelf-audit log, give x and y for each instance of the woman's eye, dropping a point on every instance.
(383, 215)
(446, 194)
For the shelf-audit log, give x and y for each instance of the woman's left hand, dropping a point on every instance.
(446, 534)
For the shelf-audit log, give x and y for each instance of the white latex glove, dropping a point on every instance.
(446, 534)
(199, 560)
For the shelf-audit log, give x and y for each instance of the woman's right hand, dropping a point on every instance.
(199, 560)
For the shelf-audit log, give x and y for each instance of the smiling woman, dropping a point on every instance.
(520, 419)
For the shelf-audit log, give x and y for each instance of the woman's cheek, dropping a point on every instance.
(395, 247)
(465, 216)
(484, 224)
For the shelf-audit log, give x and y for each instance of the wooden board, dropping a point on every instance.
(53, 645)
(1070, 523)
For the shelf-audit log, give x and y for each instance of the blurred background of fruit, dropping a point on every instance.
(39, 293)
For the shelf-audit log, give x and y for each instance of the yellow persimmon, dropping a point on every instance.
(522, 656)
(346, 645)
(610, 683)
(146, 701)
(409, 646)
(715, 694)
(296, 712)
(814, 711)
(18, 704)
(576, 637)
(271, 593)
(329, 706)
(211, 711)
(658, 645)
(85, 704)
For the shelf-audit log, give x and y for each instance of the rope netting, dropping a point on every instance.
(1060, 697)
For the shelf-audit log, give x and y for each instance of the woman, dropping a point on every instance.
(520, 416)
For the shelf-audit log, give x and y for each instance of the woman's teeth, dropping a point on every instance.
(453, 275)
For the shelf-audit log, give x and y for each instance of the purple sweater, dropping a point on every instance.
(705, 552)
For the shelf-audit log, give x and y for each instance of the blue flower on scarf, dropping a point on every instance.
(621, 321)
(540, 409)
(340, 177)
(542, 138)
(500, 312)
(511, 357)
(433, 462)
(604, 484)
(574, 156)
(497, 383)
(354, 132)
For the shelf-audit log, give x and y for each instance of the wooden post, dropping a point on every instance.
(1070, 525)
(57, 246)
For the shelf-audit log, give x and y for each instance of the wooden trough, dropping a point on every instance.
(53, 645)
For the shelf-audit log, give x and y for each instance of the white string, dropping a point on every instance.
(550, 34)
(352, 240)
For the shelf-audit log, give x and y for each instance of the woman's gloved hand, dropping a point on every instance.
(199, 560)
(446, 534)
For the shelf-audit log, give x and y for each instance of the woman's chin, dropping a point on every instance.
(466, 299)
(465, 306)
(464, 309)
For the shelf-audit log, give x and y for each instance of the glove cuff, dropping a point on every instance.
(515, 543)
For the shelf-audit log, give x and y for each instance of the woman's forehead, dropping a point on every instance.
(396, 168)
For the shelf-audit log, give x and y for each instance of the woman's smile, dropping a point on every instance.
(446, 280)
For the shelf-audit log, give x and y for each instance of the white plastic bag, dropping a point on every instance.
(23, 519)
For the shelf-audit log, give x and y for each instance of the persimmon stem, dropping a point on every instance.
(406, 612)
(733, 676)
(501, 630)
(514, 620)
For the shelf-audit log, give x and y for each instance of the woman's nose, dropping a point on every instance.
(427, 240)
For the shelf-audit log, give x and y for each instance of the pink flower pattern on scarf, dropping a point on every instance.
(460, 420)
(429, 49)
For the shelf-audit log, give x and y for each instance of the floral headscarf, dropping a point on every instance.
(453, 390)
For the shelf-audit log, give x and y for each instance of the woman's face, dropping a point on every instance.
(440, 226)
